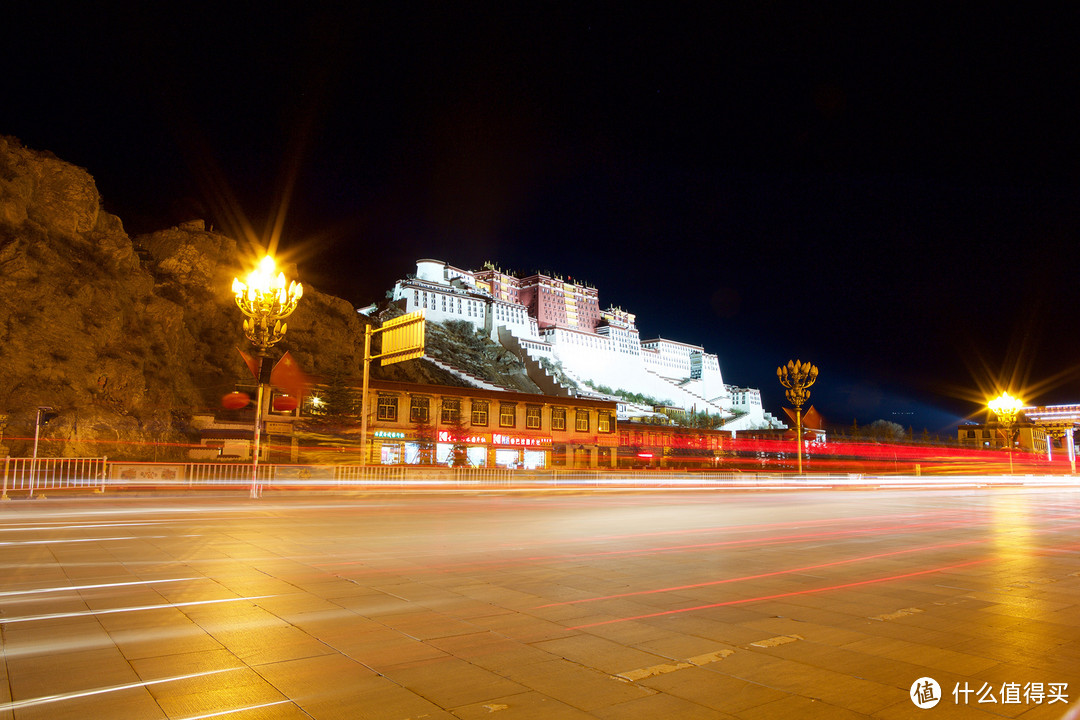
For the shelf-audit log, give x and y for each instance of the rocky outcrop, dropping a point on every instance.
(129, 338)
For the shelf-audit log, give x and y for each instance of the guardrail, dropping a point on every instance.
(32, 475)
(24, 475)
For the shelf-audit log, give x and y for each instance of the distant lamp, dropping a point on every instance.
(1007, 407)
(265, 300)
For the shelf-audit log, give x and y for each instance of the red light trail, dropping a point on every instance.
(794, 593)
(764, 575)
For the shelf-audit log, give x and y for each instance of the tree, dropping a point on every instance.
(886, 431)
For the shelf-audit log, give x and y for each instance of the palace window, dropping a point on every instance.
(558, 418)
(480, 412)
(451, 410)
(418, 410)
(532, 417)
(603, 422)
(387, 408)
(582, 421)
(507, 415)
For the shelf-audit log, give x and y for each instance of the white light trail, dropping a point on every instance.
(57, 526)
(112, 611)
(37, 591)
(234, 710)
(78, 540)
(47, 699)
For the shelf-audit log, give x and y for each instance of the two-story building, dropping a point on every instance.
(421, 424)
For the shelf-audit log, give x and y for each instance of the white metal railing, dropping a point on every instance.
(25, 475)
(32, 475)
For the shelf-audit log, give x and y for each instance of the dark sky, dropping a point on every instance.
(889, 192)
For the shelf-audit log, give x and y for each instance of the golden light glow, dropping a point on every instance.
(1005, 406)
(266, 301)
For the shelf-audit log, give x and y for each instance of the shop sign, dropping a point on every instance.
(389, 434)
(519, 440)
(447, 437)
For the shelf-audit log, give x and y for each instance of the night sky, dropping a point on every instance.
(887, 192)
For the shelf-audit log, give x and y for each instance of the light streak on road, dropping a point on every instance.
(56, 526)
(756, 542)
(48, 699)
(234, 710)
(793, 593)
(58, 541)
(76, 588)
(137, 608)
(765, 575)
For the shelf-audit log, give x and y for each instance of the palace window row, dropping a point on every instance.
(480, 414)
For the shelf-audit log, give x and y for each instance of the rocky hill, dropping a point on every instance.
(128, 338)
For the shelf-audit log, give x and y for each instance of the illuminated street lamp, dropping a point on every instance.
(1006, 407)
(266, 301)
(797, 376)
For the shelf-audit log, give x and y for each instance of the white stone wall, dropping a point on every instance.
(442, 303)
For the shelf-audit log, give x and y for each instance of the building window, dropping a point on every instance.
(451, 410)
(603, 422)
(507, 414)
(480, 412)
(582, 421)
(558, 418)
(418, 411)
(532, 417)
(387, 409)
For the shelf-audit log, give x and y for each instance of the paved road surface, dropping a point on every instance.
(549, 606)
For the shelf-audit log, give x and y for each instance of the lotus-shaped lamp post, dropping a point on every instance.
(797, 376)
(1007, 407)
(266, 301)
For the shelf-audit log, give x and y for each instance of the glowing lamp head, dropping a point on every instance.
(1005, 405)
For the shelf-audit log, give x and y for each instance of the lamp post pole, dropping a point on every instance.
(265, 301)
(37, 431)
(3, 427)
(1007, 407)
(797, 377)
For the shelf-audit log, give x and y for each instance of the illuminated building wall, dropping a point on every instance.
(420, 424)
(555, 302)
(561, 321)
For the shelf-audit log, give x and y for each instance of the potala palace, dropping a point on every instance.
(551, 322)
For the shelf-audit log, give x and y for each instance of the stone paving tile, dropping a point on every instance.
(384, 648)
(425, 625)
(49, 639)
(321, 677)
(713, 690)
(578, 686)
(387, 703)
(37, 676)
(853, 693)
(522, 627)
(522, 706)
(600, 654)
(333, 622)
(925, 655)
(174, 638)
(274, 644)
(228, 697)
(658, 706)
(627, 631)
(794, 706)
(130, 704)
(885, 671)
(170, 665)
(450, 682)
